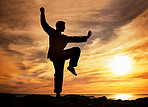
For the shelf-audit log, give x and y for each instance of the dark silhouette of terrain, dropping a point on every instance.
(10, 100)
(57, 54)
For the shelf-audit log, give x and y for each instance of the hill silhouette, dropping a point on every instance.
(10, 100)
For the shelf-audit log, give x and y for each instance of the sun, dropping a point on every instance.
(120, 65)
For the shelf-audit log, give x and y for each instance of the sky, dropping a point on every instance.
(119, 30)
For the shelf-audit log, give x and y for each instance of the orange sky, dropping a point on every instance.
(119, 29)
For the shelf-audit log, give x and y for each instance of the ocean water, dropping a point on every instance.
(120, 96)
(109, 96)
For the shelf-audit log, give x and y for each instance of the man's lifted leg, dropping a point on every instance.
(75, 54)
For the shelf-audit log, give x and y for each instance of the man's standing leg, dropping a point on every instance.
(58, 77)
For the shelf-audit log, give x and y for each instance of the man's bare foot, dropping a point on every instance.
(72, 70)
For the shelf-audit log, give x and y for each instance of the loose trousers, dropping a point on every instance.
(58, 61)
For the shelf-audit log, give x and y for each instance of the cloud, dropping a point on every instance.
(8, 66)
(45, 78)
(96, 78)
(36, 73)
(20, 83)
(139, 47)
(141, 75)
(38, 56)
(14, 14)
(6, 40)
(117, 14)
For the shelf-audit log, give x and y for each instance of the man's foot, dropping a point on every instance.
(72, 70)
(58, 95)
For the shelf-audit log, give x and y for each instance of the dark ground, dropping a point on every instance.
(10, 100)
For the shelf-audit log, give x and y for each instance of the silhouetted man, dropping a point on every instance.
(56, 52)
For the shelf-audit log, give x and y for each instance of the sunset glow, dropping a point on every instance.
(113, 60)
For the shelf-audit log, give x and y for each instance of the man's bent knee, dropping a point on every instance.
(77, 49)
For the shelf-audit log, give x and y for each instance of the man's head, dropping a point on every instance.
(60, 25)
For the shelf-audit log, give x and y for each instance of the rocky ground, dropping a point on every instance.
(10, 100)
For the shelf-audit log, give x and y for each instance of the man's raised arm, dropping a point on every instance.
(44, 24)
(79, 38)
